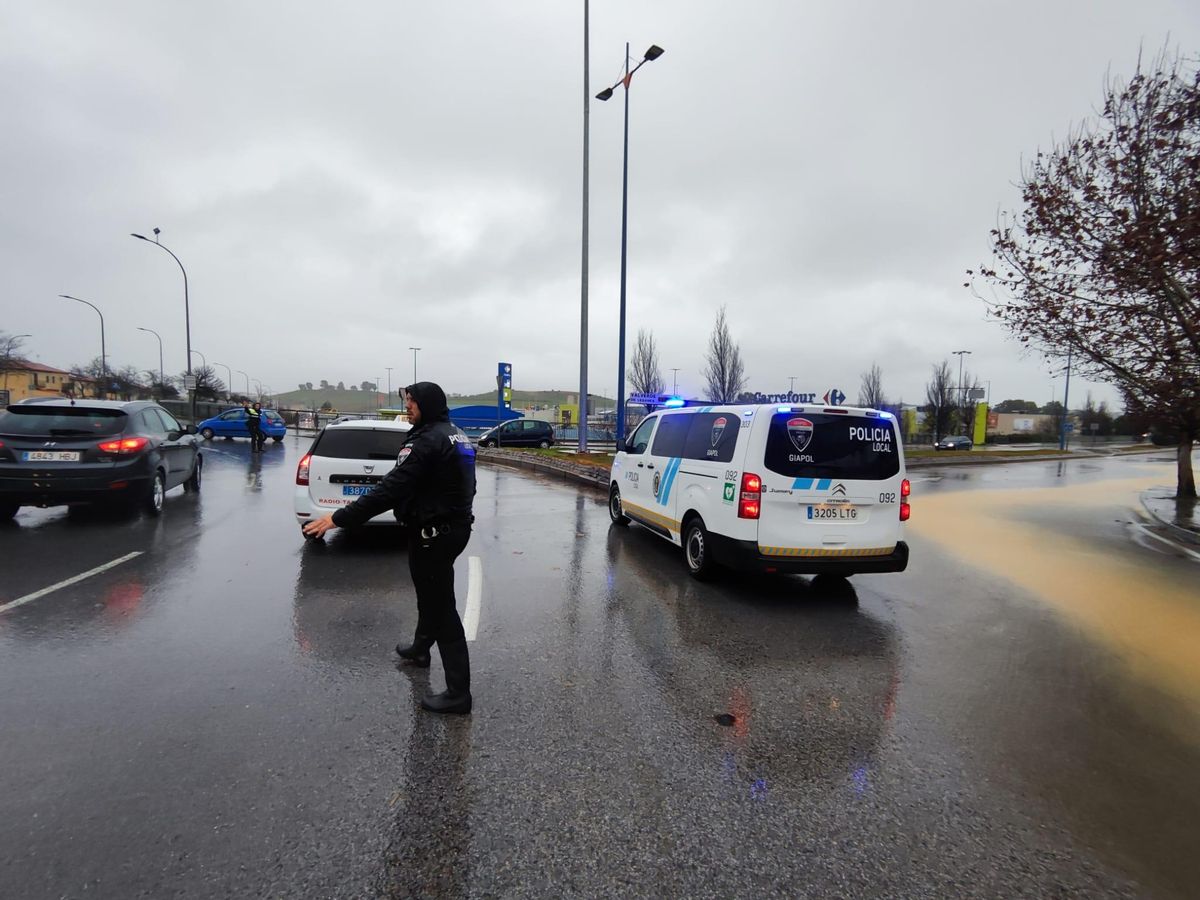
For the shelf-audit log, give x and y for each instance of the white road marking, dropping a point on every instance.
(474, 597)
(29, 598)
(1174, 546)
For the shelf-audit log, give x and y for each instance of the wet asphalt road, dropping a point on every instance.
(1016, 715)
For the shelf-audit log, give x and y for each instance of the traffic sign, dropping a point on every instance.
(189, 382)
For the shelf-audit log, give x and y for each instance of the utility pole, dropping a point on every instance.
(1063, 440)
(389, 396)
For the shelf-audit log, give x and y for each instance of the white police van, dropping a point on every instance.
(771, 488)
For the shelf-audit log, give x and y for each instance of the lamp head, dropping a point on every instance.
(654, 52)
(140, 237)
(604, 94)
(156, 231)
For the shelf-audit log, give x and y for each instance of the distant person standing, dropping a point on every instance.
(254, 423)
(433, 487)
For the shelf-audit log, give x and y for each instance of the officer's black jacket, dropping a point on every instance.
(433, 482)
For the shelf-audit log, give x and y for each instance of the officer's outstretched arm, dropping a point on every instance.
(394, 490)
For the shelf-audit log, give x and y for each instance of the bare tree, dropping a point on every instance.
(208, 385)
(1104, 259)
(870, 392)
(723, 370)
(645, 375)
(939, 400)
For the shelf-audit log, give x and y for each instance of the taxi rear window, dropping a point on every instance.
(359, 443)
(825, 445)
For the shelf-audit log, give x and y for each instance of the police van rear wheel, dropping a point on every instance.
(696, 550)
(615, 511)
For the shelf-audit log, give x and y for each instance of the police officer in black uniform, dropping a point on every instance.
(254, 424)
(431, 488)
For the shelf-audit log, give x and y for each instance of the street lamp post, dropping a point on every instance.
(240, 372)
(652, 54)
(162, 381)
(1062, 428)
(583, 281)
(8, 354)
(414, 350)
(791, 384)
(187, 314)
(389, 396)
(229, 373)
(962, 399)
(103, 359)
(674, 381)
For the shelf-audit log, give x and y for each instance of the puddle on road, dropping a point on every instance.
(1150, 619)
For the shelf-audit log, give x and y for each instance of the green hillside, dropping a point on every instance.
(368, 401)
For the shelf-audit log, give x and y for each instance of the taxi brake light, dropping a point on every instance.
(124, 445)
(748, 501)
(302, 469)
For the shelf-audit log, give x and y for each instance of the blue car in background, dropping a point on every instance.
(232, 423)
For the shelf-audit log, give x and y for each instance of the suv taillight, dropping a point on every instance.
(124, 445)
(302, 469)
(748, 501)
(905, 509)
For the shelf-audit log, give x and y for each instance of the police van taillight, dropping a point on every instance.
(750, 497)
(302, 469)
(905, 509)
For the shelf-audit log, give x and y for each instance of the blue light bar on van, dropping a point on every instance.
(885, 415)
(787, 409)
(674, 403)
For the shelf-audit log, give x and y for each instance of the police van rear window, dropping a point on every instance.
(359, 443)
(821, 445)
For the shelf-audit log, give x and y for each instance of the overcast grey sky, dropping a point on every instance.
(344, 181)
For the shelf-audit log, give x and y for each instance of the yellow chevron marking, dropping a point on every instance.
(820, 551)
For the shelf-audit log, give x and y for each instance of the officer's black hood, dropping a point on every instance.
(431, 400)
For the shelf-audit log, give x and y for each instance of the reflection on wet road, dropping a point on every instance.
(221, 716)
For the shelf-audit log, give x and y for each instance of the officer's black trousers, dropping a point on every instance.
(431, 563)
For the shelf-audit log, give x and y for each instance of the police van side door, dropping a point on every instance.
(635, 478)
(666, 452)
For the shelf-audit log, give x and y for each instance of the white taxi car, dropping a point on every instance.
(806, 489)
(345, 460)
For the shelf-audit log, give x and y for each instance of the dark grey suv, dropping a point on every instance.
(68, 452)
(519, 433)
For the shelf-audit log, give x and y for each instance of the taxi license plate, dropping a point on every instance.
(354, 490)
(836, 513)
(50, 455)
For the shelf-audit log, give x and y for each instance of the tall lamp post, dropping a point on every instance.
(229, 373)
(1062, 428)
(187, 315)
(652, 54)
(414, 350)
(674, 381)
(389, 396)
(240, 372)
(962, 399)
(103, 359)
(8, 354)
(583, 280)
(162, 381)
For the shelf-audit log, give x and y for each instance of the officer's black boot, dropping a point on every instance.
(416, 653)
(457, 696)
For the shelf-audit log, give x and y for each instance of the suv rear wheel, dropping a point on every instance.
(696, 550)
(158, 491)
